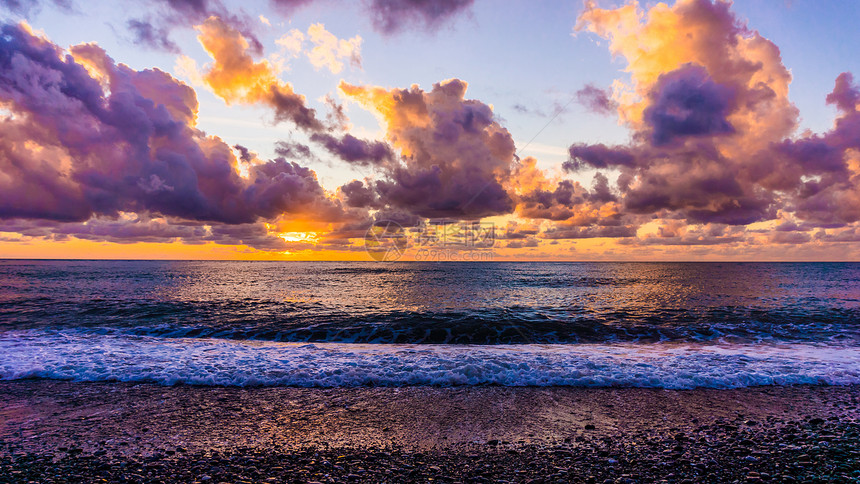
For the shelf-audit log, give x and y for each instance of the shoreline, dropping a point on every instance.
(110, 429)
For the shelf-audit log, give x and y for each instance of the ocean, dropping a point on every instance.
(355, 324)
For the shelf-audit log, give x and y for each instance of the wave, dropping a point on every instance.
(80, 356)
(308, 322)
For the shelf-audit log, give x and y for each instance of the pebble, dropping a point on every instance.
(764, 456)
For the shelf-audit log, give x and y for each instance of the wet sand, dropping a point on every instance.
(52, 431)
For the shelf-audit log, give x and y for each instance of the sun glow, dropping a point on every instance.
(299, 236)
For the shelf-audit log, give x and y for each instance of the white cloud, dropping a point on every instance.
(292, 42)
(186, 68)
(328, 51)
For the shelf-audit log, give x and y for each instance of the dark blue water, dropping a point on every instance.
(449, 303)
(131, 311)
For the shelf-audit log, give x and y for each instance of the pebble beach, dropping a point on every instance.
(52, 431)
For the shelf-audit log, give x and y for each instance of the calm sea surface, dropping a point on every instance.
(670, 325)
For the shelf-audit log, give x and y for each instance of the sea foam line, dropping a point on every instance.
(196, 361)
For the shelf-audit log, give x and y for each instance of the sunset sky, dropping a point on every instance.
(291, 129)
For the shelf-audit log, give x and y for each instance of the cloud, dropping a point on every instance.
(292, 42)
(354, 150)
(596, 100)
(27, 8)
(330, 52)
(154, 30)
(845, 94)
(687, 102)
(599, 156)
(388, 17)
(575, 211)
(454, 157)
(132, 228)
(713, 146)
(145, 33)
(358, 194)
(327, 52)
(454, 161)
(393, 16)
(564, 231)
(20, 7)
(663, 39)
(679, 233)
(695, 180)
(708, 106)
(125, 228)
(556, 110)
(236, 77)
(92, 139)
(292, 150)
(289, 7)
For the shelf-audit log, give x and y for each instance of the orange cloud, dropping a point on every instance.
(664, 39)
(455, 156)
(236, 77)
(330, 52)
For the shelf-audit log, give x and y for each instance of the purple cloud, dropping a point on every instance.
(129, 149)
(687, 102)
(596, 100)
(354, 150)
(457, 156)
(393, 16)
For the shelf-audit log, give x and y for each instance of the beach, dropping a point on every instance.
(56, 431)
(156, 371)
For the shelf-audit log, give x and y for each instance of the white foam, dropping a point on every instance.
(90, 357)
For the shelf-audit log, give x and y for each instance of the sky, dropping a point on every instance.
(430, 130)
